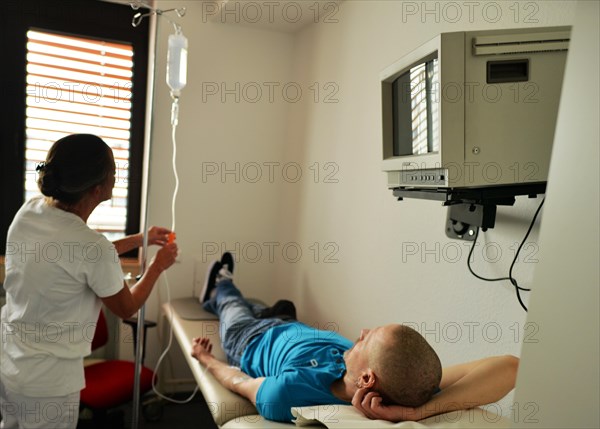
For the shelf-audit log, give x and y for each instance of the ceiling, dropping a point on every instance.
(287, 16)
(281, 15)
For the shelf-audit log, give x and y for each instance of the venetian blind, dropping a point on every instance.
(80, 85)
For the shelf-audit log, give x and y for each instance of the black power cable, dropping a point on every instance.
(510, 277)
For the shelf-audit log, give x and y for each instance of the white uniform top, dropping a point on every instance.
(56, 268)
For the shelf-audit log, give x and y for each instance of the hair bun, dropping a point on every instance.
(48, 182)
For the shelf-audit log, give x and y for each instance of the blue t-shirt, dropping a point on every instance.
(299, 363)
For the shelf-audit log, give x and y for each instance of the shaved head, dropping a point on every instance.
(407, 368)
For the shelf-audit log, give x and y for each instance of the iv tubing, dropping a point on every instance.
(174, 122)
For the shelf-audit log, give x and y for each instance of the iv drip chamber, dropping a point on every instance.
(177, 63)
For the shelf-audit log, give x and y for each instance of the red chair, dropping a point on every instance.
(109, 384)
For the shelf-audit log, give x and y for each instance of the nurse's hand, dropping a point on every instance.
(165, 257)
(158, 235)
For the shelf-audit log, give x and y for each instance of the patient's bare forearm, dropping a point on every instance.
(230, 377)
(488, 382)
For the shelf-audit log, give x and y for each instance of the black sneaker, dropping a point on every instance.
(211, 281)
(227, 261)
(282, 309)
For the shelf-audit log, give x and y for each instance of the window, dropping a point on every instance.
(78, 85)
(76, 67)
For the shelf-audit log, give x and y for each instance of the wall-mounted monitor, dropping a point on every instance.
(473, 109)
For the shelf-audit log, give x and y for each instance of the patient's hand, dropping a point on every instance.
(202, 349)
(370, 404)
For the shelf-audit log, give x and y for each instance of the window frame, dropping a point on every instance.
(88, 18)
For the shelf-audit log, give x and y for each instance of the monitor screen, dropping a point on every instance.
(415, 110)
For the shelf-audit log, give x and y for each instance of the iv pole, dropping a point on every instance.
(153, 15)
(140, 331)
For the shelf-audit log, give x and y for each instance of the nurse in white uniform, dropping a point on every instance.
(58, 274)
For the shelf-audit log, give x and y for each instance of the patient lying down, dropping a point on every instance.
(389, 373)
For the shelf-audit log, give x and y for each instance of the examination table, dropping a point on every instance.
(231, 411)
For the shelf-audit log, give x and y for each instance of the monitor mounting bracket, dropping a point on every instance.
(471, 208)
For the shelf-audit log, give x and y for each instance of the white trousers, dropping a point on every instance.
(27, 412)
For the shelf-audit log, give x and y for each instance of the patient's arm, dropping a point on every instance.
(230, 377)
(463, 386)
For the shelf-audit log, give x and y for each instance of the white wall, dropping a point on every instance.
(214, 210)
(378, 279)
(339, 210)
(559, 376)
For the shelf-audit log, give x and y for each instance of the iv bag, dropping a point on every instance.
(177, 63)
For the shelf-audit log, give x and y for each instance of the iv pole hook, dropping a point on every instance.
(139, 17)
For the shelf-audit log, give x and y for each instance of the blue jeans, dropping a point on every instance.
(238, 324)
